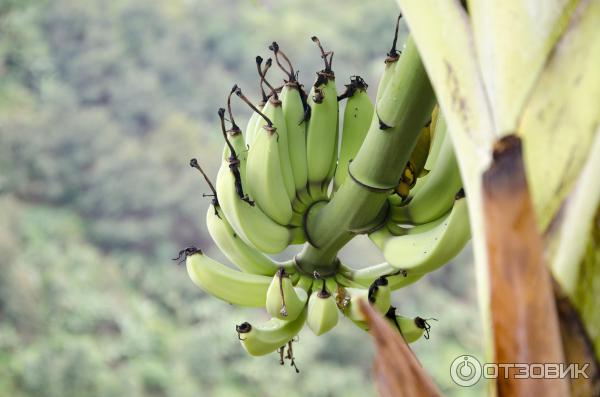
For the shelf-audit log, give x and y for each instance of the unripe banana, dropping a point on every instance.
(367, 276)
(387, 106)
(252, 127)
(436, 196)
(230, 285)
(322, 311)
(377, 295)
(357, 119)
(266, 338)
(264, 172)
(304, 282)
(391, 62)
(274, 110)
(248, 220)
(246, 258)
(425, 248)
(284, 301)
(411, 329)
(322, 133)
(293, 111)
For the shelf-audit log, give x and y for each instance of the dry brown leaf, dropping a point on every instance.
(577, 345)
(524, 316)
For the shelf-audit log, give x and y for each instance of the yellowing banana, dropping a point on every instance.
(230, 285)
(435, 197)
(266, 338)
(283, 300)
(416, 164)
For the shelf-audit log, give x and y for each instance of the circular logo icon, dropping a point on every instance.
(465, 370)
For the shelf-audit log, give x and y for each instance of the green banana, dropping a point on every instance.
(230, 285)
(255, 118)
(322, 311)
(266, 338)
(436, 195)
(390, 65)
(367, 276)
(424, 248)
(293, 111)
(304, 282)
(411, 329)
(284, 301)
(247, 258)
(378, 294)
(249, 222)
(357, 119)
(252, 128)
(322, 134)
(293, 101)
(264, 167)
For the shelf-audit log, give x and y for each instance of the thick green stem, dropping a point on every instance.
(359, 204)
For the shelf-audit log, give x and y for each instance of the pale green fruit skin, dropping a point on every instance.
(293, 112)
(357, 119)
(270, 336)
(427, 247)
(295, 299)
(409, 329)
(230, 285)
(249, 222)
(322, 134)
(265, 184)
(323, 314)
(248, 259)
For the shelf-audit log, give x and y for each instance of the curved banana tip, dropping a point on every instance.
(243, 328)
(184, 253)
(424, 325)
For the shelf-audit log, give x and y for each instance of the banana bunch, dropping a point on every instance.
(292, 159)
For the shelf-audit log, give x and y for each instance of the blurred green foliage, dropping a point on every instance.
(102, 103)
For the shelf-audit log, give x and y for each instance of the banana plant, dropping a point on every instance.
(415, 171)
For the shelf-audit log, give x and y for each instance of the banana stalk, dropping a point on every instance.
(359, 203)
